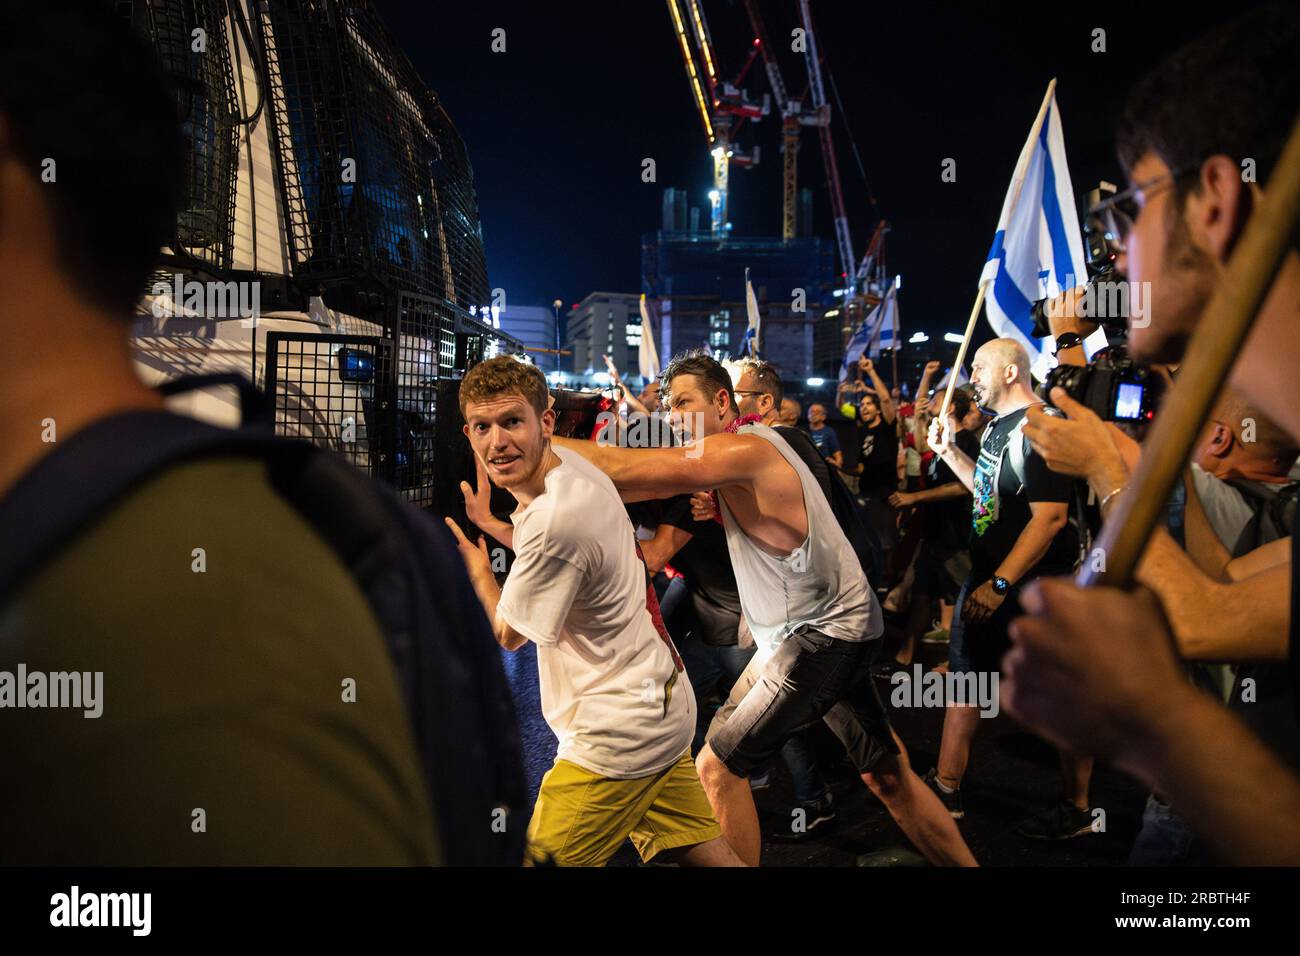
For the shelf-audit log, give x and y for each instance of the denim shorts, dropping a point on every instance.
(809, 677)
(976, 649)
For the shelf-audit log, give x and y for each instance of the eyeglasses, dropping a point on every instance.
(1119, 212)
(741, 391)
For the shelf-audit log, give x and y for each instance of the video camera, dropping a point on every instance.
(1114, 386)
(1103, 247)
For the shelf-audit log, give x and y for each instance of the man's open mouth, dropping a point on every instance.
(502, 461)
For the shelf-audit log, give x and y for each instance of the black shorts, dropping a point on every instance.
(975, 649)
(809, 677)
(940, 571)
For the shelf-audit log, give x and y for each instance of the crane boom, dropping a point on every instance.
(818, 90)
(691, 72)
(705, 43)
(724, 110)
(769, 62)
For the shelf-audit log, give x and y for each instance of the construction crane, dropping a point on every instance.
(794, 114)
(871, 272)
(723, 106)
(818, 93)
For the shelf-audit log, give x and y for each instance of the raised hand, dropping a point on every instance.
(477, 560)
(940, 435)
(478, 500)
(702, 506)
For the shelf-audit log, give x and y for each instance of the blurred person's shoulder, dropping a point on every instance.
(243, 671)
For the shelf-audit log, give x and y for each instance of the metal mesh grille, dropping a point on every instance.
(391, 237)
(425, 328)
(343, 93)
(330, 390)
(204, 86)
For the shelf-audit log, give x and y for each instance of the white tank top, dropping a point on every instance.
(819, 585)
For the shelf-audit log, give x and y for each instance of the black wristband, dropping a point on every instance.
(1067, 340)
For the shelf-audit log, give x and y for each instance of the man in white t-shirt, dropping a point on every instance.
(613, 688)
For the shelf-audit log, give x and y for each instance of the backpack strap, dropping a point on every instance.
(1272, 511)
(1015, 451)
(400, 559)
(53, 502)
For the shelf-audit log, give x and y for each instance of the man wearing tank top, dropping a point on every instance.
(813, 615)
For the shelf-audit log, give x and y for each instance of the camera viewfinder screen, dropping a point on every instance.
(1128, 401)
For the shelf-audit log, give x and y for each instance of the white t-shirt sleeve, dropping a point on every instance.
(1226, 508)
(538, 595)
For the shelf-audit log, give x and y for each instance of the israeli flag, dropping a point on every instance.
(1037, 250)
(885, 334)
(858, 344)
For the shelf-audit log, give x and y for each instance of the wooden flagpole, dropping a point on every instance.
(1210, 355)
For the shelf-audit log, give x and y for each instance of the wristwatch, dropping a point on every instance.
(1001, 585)
(1067, 340)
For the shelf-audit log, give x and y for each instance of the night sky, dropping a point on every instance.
(558, 125)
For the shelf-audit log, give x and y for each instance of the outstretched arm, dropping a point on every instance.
(479, 566)
(642, 473)
(887, 410)
(927, 376)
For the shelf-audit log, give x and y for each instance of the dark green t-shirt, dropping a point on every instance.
(222, 692)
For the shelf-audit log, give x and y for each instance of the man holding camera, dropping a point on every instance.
(1096, 669)
(1020, 530)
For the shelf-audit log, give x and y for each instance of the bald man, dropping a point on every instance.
(1252, 457)
(1020, 530)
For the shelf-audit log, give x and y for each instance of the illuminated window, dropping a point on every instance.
(719, 329)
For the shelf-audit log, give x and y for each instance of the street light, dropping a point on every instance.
(555, 308)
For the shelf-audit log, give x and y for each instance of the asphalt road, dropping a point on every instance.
(1012, 774)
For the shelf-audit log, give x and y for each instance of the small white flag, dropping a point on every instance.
(647, 355)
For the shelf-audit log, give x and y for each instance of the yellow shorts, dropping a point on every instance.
(582, 818)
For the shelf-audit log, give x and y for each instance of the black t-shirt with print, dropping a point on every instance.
(705, 563)
(879, 457)
(999, 515)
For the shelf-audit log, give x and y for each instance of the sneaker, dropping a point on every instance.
(951, 799)
(819, 814)
(938, 636)
(760, 780)
(886, 670)
(1064, 821)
